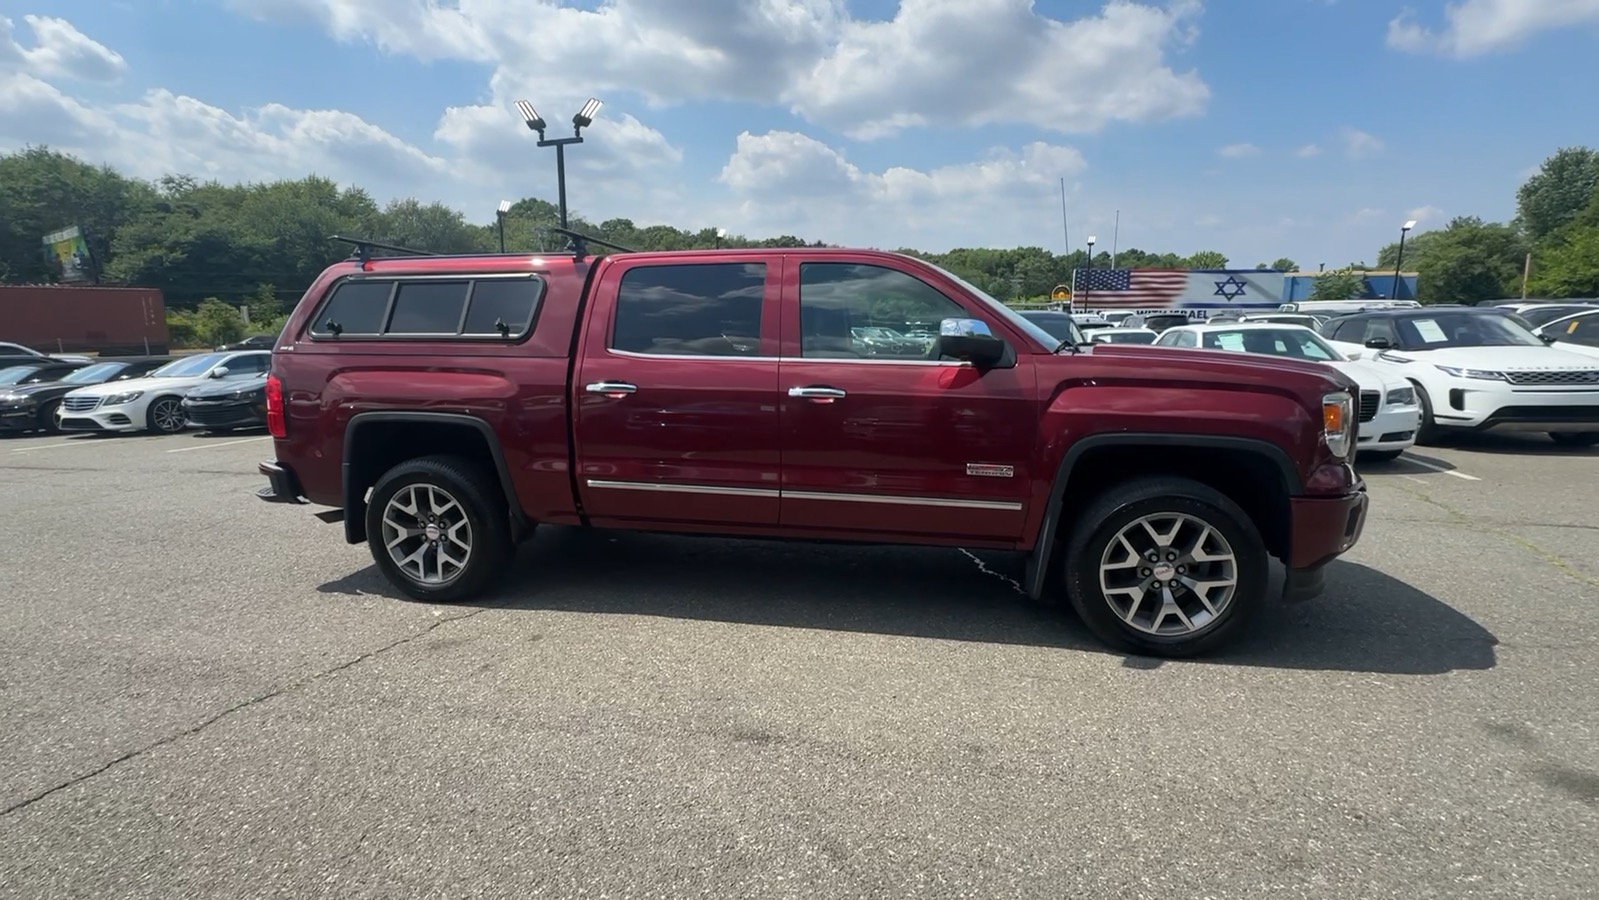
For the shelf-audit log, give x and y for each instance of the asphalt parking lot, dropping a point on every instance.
(205, 695)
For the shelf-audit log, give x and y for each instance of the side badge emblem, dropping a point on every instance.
(987, 470)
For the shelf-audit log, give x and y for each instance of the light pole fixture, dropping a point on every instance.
(505, 207)
(535, 122)
(1089, 287)
(720, 233)
(1400, 258)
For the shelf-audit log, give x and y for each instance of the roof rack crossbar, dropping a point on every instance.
(580, 242)
(364, 247)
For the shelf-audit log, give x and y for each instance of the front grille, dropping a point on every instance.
(1560, 376)
(1369, 401)
(80, 404)
(216, 413)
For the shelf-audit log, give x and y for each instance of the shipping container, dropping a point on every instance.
(64, 318)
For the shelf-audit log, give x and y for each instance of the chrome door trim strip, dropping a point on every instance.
(1004, 505)
(683, 488)
(1000, 505)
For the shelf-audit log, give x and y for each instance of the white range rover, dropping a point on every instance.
(1388, 413)
(1478, 370)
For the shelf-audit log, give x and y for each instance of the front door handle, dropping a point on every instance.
(611, 389)
(817, 392)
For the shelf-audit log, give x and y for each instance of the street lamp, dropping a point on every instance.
(505, 207)
(535, 122)
(720, 233)
(1089, 287)
(1403, 230)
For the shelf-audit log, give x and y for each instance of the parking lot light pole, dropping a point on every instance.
(1089, 287)
(505, 207)
(535, 122)
(720, 233)
(1403, 230)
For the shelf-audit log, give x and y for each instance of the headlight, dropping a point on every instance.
(1338, 422)
(1402, 397)
(13, 399)
(119, 399)
(1479, 374)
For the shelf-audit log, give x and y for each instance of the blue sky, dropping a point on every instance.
(1262, 128)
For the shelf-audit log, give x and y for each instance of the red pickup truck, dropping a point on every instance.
(444, 406)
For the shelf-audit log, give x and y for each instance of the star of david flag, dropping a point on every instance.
(1209, 290)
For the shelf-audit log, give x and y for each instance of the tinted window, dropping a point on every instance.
(94, 374)
(428, 307)
(1351, 331)
(1060, 326)
(1583, 330)
(856, 312)
(356, 307)
(692, 310)
(248, 365)
(17, 374)
(511, 301)
(1543, 315)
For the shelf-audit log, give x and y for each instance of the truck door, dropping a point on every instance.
(675, 395)
(879, 435)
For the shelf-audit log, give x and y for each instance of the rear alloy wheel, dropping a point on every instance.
(438, 527)
(1575, 438)
(166, 415)
(1165, 566)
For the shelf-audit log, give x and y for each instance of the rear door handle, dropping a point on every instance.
(817, 392)
(611, 388)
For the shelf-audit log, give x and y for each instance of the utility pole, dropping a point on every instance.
(1115, 238)
(1526, 273)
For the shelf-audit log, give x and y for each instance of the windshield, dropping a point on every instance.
(1543, 315)
(1044, 338)
(1060, 326)
(1462, 329)
(15, 374)
(1126, 337)
(94, 374)
(188, 366)
(1294, 343)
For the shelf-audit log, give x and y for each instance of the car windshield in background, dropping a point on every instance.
(1463, 329)
(1126, 337)
(1293, 343)
(15, 374)
(1060, 326)
(191, 365)
(94, 374)
(1543, 315)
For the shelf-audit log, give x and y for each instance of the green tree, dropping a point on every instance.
(1567, 265)
(1207, 259)
(1338, 284)
(1558, 191)
(1469, 261)
(1284, 264)
(42, 190)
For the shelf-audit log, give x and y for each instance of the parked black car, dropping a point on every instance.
(227, 405)
(30, 405)
(253, 342)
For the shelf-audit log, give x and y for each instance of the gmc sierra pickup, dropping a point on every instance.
(444, 406)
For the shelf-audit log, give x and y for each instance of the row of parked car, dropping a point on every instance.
(1423, 371)
(217, 392)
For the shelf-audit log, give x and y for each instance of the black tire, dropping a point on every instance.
(1103, 519)
(1427, 433)
(1380, 455)
(152, 419)
(47, 418)
(487, 519)
(1575, 438)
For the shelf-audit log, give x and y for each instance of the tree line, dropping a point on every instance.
(261, 244)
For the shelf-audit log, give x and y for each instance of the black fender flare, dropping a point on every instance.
(1037, 570)
(354, 497)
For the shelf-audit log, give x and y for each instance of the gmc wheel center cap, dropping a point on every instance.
(1165, 572)
(432, 532)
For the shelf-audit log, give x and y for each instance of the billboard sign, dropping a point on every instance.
(68, 248)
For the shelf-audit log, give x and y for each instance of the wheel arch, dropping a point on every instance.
(1096, 462)
(376, 441)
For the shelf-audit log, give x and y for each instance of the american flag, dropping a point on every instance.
(1129, 288)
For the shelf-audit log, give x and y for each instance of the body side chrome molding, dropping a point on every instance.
(1000, 505)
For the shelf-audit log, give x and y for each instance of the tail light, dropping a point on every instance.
(277, 423)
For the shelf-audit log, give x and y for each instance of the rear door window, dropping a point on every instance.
(698, 309)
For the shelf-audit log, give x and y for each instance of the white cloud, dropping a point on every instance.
(1476, 27)
(1425, 214)
(1238, 151)
(1369, 213)
(1359, 144)
(1308, 151)
(969, 62)
(783, 181)
(60, 51)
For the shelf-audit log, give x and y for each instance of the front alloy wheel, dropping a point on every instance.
(166, 415)
(1169, 575)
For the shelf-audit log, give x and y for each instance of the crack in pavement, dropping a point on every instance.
(238, 707)
(1481, 527)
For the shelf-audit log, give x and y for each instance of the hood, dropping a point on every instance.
(1507, 359)
(24, 390)
(1367, 376)
(1222, 365)
(1578, 349)
(107, 388)
(227, 387)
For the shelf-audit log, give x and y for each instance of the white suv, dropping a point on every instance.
(1388, 412)
(1479, 370)
(154, 402)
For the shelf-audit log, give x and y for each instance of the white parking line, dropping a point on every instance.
(1428, 465)
(91, 442)
(208, 445)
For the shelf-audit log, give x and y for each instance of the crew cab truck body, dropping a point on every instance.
(445, 406)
